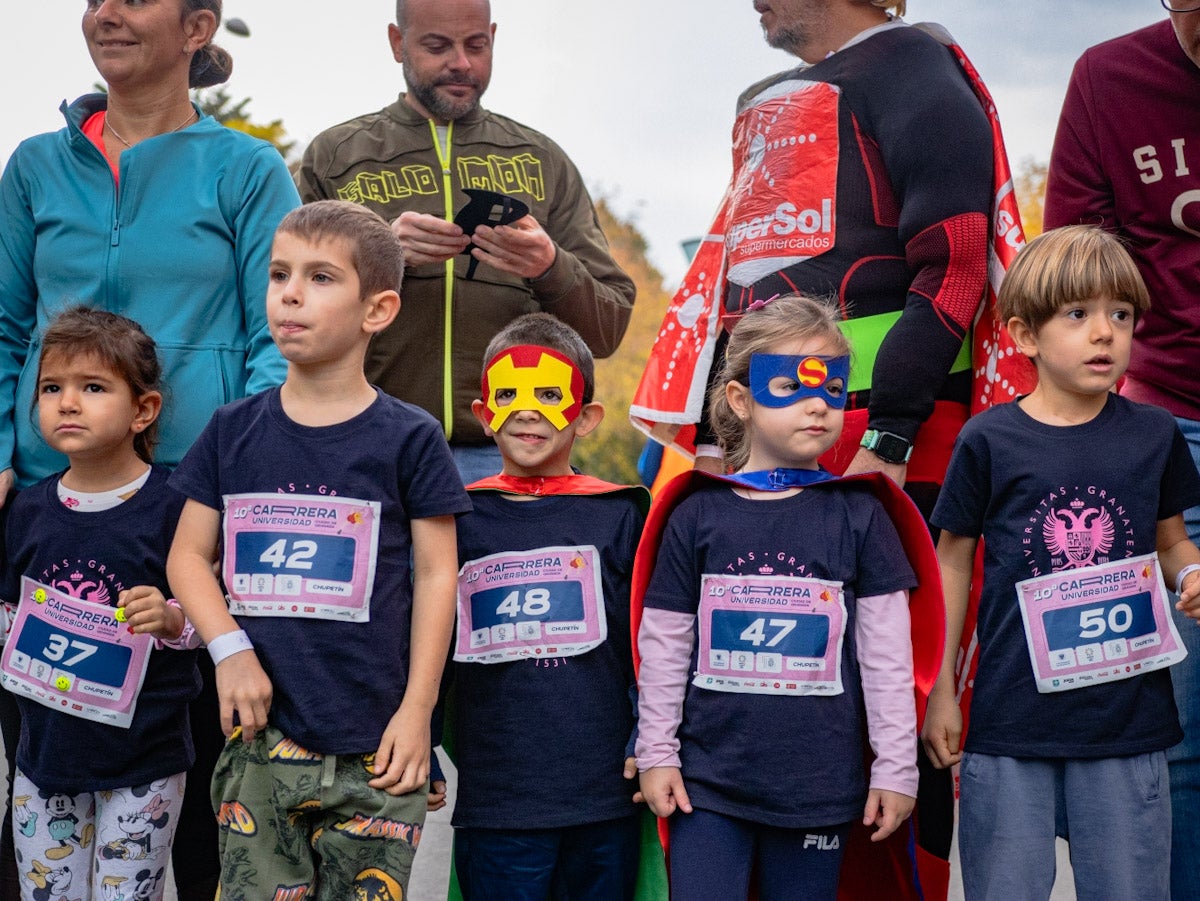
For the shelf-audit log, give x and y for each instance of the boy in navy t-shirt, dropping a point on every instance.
(1078, 496)
(332, 506)
(544, 709)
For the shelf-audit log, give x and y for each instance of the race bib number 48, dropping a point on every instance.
(547, 602)
(74, 656)
(300, 555)
(1098, 624)
(778, 635)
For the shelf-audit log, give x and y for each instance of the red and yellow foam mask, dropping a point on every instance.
(518, 379)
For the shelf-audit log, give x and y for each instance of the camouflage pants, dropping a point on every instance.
(297, 825)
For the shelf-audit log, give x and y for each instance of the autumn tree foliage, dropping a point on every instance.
(1029, 182)
(219, 103)
(611, 452)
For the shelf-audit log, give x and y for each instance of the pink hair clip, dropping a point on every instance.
(759, 304)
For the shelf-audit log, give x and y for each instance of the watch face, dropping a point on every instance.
(891, 448)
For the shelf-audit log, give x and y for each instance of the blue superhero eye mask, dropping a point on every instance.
(806, 376)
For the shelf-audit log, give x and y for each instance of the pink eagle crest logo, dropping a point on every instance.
(1079, 534)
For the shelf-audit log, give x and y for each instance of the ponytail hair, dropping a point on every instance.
(792, 318)
(211, 65)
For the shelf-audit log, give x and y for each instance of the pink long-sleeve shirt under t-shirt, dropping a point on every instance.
(885, 658)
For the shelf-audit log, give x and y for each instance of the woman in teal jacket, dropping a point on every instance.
(143, 206)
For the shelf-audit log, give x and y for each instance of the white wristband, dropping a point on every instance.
(1183, 574)
(229, 644)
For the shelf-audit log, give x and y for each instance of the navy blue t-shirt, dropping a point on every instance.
(789, 761)
(541, 743)
(336, 684)
(1010, 480)
(95, 556)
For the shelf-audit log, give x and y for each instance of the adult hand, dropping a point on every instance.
(428, 239)
(522, 248)
(866, 461)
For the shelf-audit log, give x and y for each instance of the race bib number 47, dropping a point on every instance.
(1098, 624)
(300, 555)
(74, 656)
(779, 635)
(547, 602)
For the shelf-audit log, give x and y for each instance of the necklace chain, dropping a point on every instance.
(116, 134)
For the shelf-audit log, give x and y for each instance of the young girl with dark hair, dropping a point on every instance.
(102, 663)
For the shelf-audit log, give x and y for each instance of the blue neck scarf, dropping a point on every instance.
(781, 479)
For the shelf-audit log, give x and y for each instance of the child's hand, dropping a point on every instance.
(942, 732)
(402, 761)
(243, 688)
(663, 791)
(630, 772)
(886, 810)
(148, 613)
(1189, 601)
(8, 616)
(436, 799)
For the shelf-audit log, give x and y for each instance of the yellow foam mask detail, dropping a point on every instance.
(525, 369)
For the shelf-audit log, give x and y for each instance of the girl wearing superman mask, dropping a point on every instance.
(774, 636)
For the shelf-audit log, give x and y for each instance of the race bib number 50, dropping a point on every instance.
(779, 635)
(300, 555)
(74, 656)
(547, 602)
(1098, 624)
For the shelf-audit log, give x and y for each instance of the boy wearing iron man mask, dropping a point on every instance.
(545, 704)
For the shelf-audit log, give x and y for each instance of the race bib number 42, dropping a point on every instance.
(74, 656)
(1098, 624)
(300, 555)
(779, 635)
(547, 602)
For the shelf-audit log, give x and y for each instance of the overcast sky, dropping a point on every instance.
(640, 93)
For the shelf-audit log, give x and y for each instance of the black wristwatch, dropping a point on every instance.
(886, 446)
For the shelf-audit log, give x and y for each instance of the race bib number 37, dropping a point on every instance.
(547, 602)
(1098, 624)
(300, 555)
(74, 656)
(779, 635)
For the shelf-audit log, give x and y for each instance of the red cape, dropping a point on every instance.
(554, 486)
(889, 869)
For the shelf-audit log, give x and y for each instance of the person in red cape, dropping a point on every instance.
(874, 173)
(545, 704)
(773, 622)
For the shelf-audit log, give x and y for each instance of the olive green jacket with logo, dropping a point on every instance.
(432, 354)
